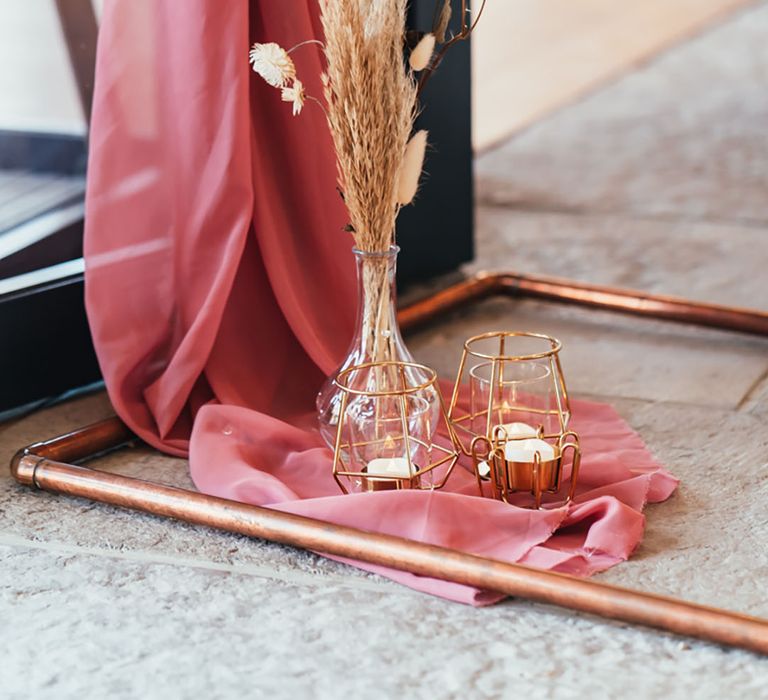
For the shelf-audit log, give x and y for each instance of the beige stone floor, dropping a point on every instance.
(530, 57)
(657, 182)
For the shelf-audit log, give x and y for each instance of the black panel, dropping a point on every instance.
(436, 232)
(45, 344)
(63, 154)
(65, 243)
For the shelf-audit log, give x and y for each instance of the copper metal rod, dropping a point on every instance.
(34, 466)
(486, 284)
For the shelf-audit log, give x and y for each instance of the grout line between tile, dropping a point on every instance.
(753, 389)
(530, 208)
(256, 570)
(612, 398)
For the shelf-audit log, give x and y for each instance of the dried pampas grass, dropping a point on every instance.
(371, 105)
(371, 97)
(442, 20)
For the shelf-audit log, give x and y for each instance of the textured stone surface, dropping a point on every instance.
(530, 58)
(756, 400)
(707, 543)
(118, 628)
(683, 137)
(38, 516)
(611, 355)
(717, 263)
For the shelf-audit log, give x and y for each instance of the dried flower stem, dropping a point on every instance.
(310, 98)
(465, 31)
(304, 43)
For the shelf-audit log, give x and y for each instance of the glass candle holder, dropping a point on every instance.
(387, 429)
(514, 421)
(517, 397)
(506, 468)
(516, 385)
(387, 435)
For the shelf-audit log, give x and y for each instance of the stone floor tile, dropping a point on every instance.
(682, 136)
(717, 263)
(577, 46)
(36, 515)
(756, 400)
(611, 355)
(707, 543)
(48, 422)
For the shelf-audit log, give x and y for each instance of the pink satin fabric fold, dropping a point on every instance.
(269, 462)
(220, 291)
(215, 262)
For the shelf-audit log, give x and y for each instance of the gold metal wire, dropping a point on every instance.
(342, 377)
(506, 478)
(376, 482)
(555, 348)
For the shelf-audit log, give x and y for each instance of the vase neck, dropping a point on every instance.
(377, 334)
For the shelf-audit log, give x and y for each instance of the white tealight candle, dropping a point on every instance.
(519, 430)
(390, 466)
(525, 450)
(483, 469)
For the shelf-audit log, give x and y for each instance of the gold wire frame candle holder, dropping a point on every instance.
(514, 423)
(389, 417)
(535, 472)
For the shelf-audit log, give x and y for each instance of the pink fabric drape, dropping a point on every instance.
(220, 291)
(216, 266)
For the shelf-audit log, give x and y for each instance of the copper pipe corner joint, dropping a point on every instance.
(23, 466)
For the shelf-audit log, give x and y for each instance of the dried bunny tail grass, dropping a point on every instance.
(410, 173)
(422, 53)
(371, 104)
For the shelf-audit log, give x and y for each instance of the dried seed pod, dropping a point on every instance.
(442, 20)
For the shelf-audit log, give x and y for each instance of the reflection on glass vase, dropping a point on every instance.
(377, 338)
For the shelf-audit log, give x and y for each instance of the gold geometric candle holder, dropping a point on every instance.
(514, 423)
(501, 473)
(389, 416)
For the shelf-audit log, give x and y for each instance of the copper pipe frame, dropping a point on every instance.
(628, 301)
(38, 466)
(45, 466)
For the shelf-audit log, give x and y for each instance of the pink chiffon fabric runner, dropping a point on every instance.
(220, 292)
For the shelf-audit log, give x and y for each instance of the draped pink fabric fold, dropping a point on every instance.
(220, 291)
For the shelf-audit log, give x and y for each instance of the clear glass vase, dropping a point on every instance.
(376, 339)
